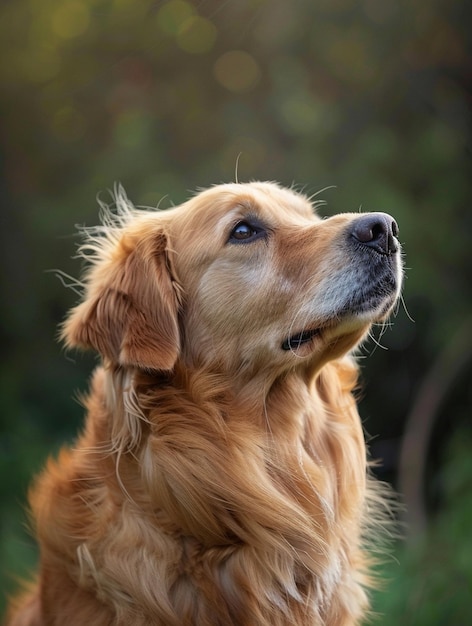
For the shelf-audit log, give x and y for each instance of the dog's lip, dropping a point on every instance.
(299, 339)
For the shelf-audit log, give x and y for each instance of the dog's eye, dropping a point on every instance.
(244, 232)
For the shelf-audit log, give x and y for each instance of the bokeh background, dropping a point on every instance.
(367, 100)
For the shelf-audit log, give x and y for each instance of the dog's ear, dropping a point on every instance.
(130, 311)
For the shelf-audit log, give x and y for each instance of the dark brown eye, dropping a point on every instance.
(244, 232)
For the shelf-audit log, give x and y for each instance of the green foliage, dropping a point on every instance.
(430, 581)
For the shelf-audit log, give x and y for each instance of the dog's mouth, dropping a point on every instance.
(296, 341)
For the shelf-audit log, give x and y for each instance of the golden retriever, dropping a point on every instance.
(221, 476)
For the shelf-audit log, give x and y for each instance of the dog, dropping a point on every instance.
(221, 477)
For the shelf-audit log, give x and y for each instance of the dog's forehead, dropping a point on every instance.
(268, 199)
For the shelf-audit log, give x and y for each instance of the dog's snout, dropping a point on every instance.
(376, 230)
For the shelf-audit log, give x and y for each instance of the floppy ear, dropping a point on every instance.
(130, 311)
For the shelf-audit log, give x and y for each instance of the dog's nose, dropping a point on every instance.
(376, 230)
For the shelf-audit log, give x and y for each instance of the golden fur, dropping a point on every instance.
(220, 478)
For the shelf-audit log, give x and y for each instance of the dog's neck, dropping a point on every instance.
(288, 398)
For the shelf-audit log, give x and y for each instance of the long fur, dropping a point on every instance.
(219, 480)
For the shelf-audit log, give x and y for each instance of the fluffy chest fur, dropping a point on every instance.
(262, 529)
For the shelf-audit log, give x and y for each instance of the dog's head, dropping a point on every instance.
(242, 277)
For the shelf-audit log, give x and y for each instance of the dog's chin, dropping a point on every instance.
(347, 326)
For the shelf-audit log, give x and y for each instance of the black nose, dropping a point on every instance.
(376, 230)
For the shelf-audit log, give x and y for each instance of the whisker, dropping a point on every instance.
(236, 177)
(403, 303)
(316, 193)
(376, 341)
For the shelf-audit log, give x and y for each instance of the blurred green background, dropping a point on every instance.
(369, 100)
